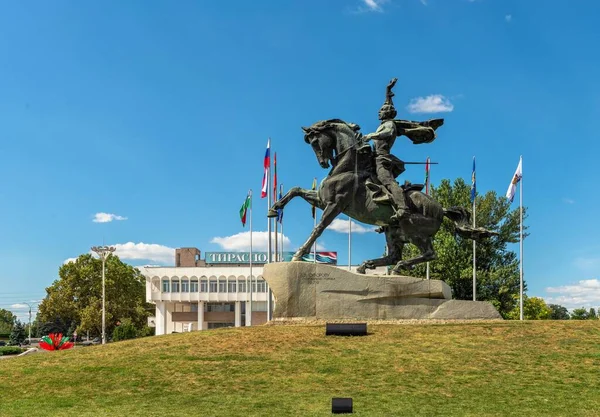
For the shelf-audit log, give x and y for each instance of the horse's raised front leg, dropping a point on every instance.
(310, 196)
(394, 246)
(425, 245)
(330, 212)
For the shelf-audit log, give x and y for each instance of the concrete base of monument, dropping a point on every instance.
(309, 290)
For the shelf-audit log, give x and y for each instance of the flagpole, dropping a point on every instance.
(474, 243)
(315, 246)
(281, 221)
(474, 260)
(249, 320)
(276, 220)
(521, 238)
(349, 242)
(315, 224)
(385, 253)
(276, 237)
(269, 247)
(427, 172)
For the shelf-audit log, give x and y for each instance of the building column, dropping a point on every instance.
(238, 314)
(200, 315)
(160, 318)
(169, 325)
(247, 314)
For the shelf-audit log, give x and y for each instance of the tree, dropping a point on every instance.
(534, 308)
(72, 329)
(54, 325)
(497, 266)
(559, 312)
(77, 296)
(579, 314)
(592, 314)
(17, 336)
(7, 321)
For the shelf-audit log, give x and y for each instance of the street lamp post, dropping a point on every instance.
(103, 252)
(29, 323)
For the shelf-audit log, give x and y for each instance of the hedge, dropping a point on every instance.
(10, 350)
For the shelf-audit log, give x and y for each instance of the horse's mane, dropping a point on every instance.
(327, 124)
(330, 124)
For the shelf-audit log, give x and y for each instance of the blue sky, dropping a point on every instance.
(159, 112)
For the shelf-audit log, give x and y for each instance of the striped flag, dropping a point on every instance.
(267, 165)
(314, 208)
(244, 209)
(473, 183)
(512, 188)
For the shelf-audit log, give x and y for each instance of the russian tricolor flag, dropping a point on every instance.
(267, 165)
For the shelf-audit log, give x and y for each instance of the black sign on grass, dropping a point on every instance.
(341, 405)
(346, 329)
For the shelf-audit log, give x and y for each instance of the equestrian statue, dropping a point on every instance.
(362, 184)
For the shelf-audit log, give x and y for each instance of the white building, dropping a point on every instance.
(199, 294)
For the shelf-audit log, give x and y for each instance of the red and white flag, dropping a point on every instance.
(267, 165)
(512, 188)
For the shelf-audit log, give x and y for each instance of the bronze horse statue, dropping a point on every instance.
(352, 188)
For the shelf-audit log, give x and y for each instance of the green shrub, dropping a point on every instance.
(146, 331)
(126, 330)
(10, 350)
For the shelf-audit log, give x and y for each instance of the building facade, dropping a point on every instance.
(200, 294)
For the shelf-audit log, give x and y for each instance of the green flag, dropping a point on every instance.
(244, 209)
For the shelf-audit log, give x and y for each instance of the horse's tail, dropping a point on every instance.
(463, 225)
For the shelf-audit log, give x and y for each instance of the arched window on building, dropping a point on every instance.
(155, 284)
(193, 284)
(212, 285)
(222, 284)
(185, 284)
(261, 285)
(241, 284)
(231, 284)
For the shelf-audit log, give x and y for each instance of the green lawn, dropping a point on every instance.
(496, 368)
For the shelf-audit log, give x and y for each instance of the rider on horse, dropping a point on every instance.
(388, 167)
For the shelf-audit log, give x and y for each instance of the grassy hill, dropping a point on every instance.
(495, 368)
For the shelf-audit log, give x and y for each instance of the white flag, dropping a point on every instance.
(512, 188)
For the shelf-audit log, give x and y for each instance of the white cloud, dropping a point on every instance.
(107, 217)
(424, 2)
(508, 18)
(374, 5)
(341, 226)
(586, 293)
(19, 306)
(320, 247)
(240, 242)
(140, 251)
(146, 251)
(435, 103)
(569, 201)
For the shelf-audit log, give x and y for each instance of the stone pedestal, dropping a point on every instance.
(309, 290)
